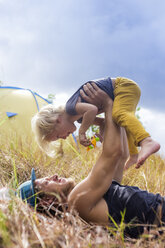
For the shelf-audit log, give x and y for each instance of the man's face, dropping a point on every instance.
(55, 184)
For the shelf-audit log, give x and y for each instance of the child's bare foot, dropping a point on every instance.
(148, 147)
(130, 161)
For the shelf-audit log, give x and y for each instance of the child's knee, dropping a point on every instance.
(138, 93)
(114, 115)
(118, 116)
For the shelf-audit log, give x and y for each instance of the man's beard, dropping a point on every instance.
(70, 186)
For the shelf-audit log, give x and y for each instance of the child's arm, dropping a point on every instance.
(89, 112)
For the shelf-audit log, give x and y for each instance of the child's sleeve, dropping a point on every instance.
(70, 106)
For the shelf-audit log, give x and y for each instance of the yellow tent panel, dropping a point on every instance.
(17, 107)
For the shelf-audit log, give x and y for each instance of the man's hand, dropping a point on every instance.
(94, 95)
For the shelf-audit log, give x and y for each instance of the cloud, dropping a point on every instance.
(153, 122)
(55, 46)
(60, 99)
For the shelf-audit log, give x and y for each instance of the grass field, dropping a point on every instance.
(21, 226)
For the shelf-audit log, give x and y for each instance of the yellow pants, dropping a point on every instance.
(127, 95)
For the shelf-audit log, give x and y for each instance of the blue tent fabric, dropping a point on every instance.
(33, 94)
(11, 114)
(18, 88)
(74, 137)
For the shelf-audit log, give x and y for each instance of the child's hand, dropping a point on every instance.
(96, 142)
(101, 138)
(83, 140)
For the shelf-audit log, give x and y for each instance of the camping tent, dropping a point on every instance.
(17, 106)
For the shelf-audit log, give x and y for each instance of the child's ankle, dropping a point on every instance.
(145, 140)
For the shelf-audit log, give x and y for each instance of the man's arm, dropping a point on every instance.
(94, 93)
(86, 195)
(100, 121)
(118, 176)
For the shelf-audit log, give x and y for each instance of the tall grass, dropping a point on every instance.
(21, 226)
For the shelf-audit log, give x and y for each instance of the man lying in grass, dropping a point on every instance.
(99, 198)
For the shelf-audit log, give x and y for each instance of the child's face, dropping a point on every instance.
(63, 129)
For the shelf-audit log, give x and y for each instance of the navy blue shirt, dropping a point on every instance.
(140, 206)
(104, 83)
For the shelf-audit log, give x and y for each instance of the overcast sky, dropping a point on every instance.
(53, 46)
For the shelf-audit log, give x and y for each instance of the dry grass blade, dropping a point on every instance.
(20, 226)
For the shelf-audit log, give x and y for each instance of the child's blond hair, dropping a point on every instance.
(44, 124)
